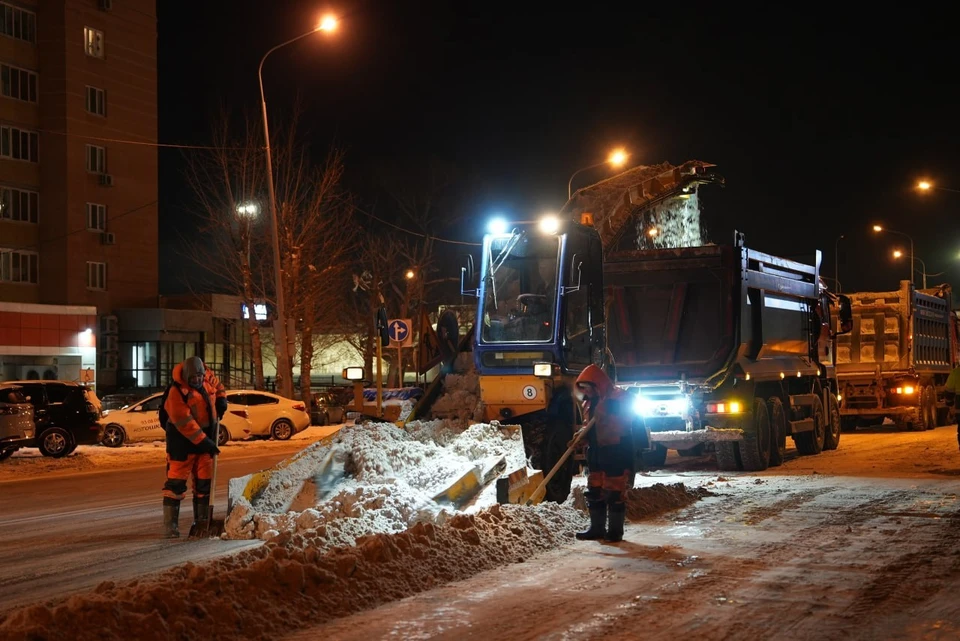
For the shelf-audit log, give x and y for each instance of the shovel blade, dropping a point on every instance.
(206, 529)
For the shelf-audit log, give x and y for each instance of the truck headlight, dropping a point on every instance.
(646, 406)
(543, 370)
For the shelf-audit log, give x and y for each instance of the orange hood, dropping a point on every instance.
(595, 375)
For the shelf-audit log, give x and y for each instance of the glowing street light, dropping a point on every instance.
(285, 387)
(923, 185)
(652, 232)
(616, 159)
(897, 253)
(248, 209)
(878, 229)
(410, 274)
(923, 267)
(328, 23)
(926, 185)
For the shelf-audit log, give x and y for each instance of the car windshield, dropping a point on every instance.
(520, 288)
(12, 395)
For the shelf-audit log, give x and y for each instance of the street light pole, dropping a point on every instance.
(836, 261)
(284, 371)
(878, 228)
(616, 158)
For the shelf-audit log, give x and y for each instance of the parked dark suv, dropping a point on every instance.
(66, 415)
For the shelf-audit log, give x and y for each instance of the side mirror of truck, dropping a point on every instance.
(844, 315)
(574, 277)
(468, 277)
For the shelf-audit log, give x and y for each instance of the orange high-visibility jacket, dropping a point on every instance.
(193, 414)
(613, 421)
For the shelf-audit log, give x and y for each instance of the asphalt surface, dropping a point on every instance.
(65, 533)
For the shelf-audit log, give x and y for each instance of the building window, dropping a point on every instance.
(96, 275)
(96, 159)
(18, 84)
(96, 217)
(19, 144)
(19, 266)
(18, 23)
(93, 42)
(138, 365)
(19, 205)
(96, 101)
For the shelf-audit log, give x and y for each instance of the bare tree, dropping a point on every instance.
(227, 181)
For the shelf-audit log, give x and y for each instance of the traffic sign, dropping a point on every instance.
(400, 334)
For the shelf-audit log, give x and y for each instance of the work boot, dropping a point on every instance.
(171, 518)
(598, 519)
(618, 512)
(201, 510)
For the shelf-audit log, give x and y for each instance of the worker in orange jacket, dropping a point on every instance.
(196, 401)
(609, 453)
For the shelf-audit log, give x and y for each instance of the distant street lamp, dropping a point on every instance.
(410, 274)
(878, 229)
(652, 232)
(926, 185)
(616, 159)
(327, 24)
(923, 270)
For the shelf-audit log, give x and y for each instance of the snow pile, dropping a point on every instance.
(292, 582)
(383, 480)
(460, 397)
(677, 221)
(646, 502)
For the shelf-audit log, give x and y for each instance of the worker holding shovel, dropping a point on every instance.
(191, 410)
(609, 453)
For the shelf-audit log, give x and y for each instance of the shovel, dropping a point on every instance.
(541, 490)
(210, 527)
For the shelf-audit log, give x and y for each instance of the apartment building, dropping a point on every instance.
(78, 168)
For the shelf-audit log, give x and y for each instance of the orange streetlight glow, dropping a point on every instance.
(617, 157)
(328, 24)
(897, 253)
(924, 185)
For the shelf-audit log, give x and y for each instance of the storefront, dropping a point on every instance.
(48, 342)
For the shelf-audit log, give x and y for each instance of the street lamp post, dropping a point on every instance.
(616, 159)
(284, 371)
(878, 228)
(836, 261)
(922, 270)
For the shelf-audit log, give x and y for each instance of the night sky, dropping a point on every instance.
(821, 123)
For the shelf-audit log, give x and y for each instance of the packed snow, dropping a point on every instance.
(384, 480)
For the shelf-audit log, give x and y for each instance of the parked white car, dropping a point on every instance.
(268, 414)
(140, 422)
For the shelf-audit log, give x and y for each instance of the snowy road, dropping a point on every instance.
(68, 531)
(860, 543)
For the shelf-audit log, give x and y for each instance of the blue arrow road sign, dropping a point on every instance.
(399, 330)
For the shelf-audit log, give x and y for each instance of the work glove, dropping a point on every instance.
(221, 405)
(207, 446)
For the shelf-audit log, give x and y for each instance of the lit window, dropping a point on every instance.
(93, 42)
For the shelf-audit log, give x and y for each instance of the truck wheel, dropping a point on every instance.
(755, 446)
(809, 443)
(778, 431)
(929, 403)
(727, 456)
(831, 438)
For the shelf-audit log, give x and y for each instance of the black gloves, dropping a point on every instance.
(207, 446)
(221, 405)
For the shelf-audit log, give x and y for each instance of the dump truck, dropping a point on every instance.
(727, 347)
(895, 361)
